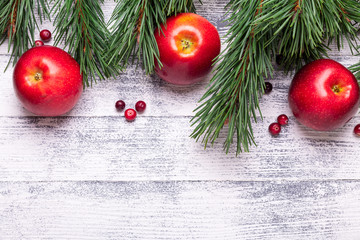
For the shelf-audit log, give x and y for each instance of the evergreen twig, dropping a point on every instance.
(80, 25)
(299, 30)
(18, 23)
(310, 28)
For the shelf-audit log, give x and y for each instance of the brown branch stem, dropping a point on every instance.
(297, 6)
(250, 38)
(138, 25)
(12, 19)
(344, 12)
(84, 31)
(297, 9)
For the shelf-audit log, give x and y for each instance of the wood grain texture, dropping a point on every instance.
(92, 175)
(159, 148)
(181, 210)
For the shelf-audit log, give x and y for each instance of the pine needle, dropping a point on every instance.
(18, 23)
(80, 25)
(300, 31)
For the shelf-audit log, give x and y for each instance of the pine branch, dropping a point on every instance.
(133, 23)
(299, 30)
(238, 78)
(18, 23)
(302, 22)
(178, 6)
(355, 69)
(349, 18)
(309, 27)
(80, 25)
(351, 12)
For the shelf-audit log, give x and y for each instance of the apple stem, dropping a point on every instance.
(336, 89)
(186, 44)
(37, 76)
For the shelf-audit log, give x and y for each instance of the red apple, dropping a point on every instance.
(324, 95)
(47, 81)
(187, 45)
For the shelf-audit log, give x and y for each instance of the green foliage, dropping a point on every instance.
(18, 23)
(355, 69)
(133, 23)
(81, 27)
(300, 31)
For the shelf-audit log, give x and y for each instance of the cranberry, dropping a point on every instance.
(45, 35)
(140, 106)
(130, 114)
(120, 105)
(268, 87)
(283, 119)
(357, 130)
(39, 43)
(275, 128)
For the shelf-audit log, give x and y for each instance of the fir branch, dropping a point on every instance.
(351, 11)
(238, 79)
(355, 69)
(299, 30)
(18, 23)
(348, 26)
(133, 23)
(312, 26)
(303, 35)
(177, 6)
(80, 25)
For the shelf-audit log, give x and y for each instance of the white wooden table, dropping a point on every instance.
(92, 175)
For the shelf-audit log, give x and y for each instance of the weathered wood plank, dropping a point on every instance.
(159, 148)
(180, 210)
(92, 175)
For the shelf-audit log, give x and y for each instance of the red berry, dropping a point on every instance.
(275, 128)
(140, 106)
(39, 43)
(130, 114)
(283, 119)
(45, 35)
(120, 105)
(268, 87)
(357, 130)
